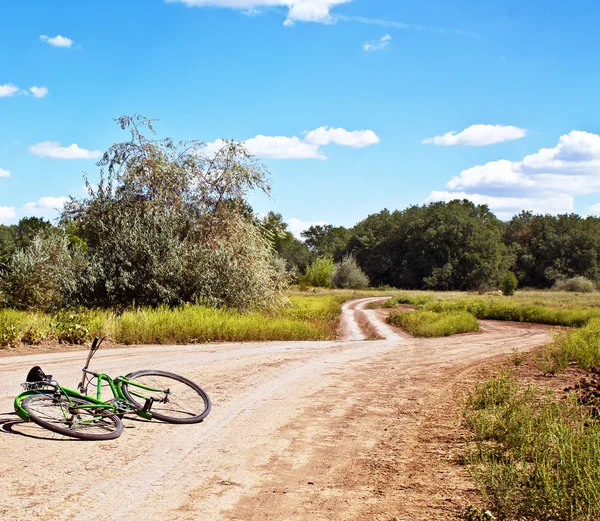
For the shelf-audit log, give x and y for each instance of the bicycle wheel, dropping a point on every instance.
(73, 418)
(170, 397)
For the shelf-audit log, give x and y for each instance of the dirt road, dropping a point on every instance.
(346, 430)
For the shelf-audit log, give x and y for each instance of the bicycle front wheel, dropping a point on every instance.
(167, 396)
(74, 417)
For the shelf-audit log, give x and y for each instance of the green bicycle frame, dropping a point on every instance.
(115, 385)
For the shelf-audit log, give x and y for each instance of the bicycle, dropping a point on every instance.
(150, 394)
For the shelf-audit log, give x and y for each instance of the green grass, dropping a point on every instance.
(433, 324)
(532, 457)
(308, 316)
(553, 308)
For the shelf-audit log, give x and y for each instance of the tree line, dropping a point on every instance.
(452, 246)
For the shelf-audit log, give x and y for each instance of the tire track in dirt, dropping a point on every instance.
(284, 414)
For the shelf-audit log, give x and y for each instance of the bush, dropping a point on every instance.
(41, 275)
(509, 284)
(320, 272)
(348, 275)
(576, 284)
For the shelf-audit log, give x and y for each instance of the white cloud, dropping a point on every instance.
(45, 206)
(57, 41)
(572, 167)
(39, 92)
(545, 182)
(296, 226)
(283, 147)
(4, 173)
(378, 45)
(505, 207)
(54, 150)
(339, 136)
(7, 213)
(8, 90)
(298, 10)
(478, 135)
(595, 210)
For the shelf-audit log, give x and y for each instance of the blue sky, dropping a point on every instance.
(354, 99)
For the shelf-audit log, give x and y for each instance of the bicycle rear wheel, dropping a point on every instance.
(74, 418)
(167, 396)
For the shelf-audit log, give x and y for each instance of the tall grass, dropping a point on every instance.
(306, 317)
(193, 324)
(533, 458)
(432, 324)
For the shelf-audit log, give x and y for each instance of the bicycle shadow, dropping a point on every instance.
(15, 426)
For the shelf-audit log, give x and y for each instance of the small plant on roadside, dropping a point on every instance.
(517, 357)
(508, 284)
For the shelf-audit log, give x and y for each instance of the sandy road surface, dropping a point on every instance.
(342, 430)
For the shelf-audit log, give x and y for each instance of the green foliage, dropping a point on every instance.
(42, 274)
(348, 275)
(327, 241)
(508, 284)
(576, 284)
(581, 346)
(294, 252)
(432, 324)
(169, 225)
(320, 272)
(550, 248)
(533, 458)
(72, 327)
(441, 246)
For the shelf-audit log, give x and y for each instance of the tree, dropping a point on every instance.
(549, 248)
(169, 224)
(291, 250)
(327, 240)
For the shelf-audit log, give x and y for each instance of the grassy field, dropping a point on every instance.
(308, 316)
(541, 307)
(433, 324)
(534, 458)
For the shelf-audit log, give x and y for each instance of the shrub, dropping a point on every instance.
(41, 275)
(320, 272)
(348, 275)
(508, 284)
(576, 284)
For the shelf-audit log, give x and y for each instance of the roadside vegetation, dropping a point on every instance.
(305, 317)
(541, 307)
(534, 458)
(433, 324)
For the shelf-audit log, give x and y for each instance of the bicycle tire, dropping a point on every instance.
(59, 415)
(182, 401)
